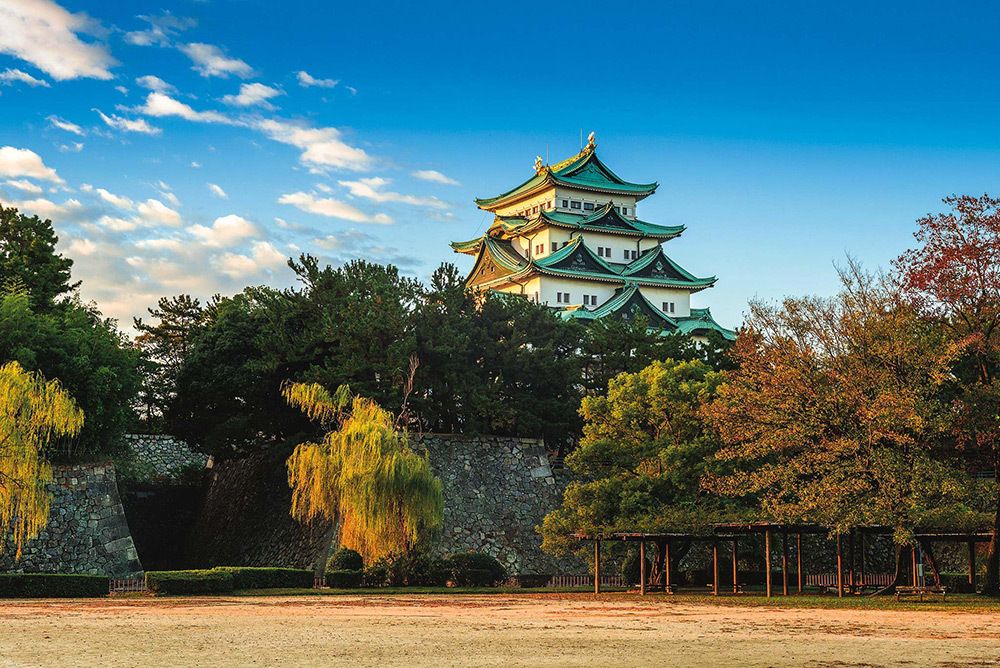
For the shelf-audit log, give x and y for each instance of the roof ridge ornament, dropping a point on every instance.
(591, 142)
(539, 165)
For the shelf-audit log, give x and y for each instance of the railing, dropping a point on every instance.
(568, 581)
(126, 585)
(830, 579)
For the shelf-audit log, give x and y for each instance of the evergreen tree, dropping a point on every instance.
(165, 346)
(28, 258)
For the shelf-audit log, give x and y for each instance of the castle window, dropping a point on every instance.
(555, 246)
(534, 210)
(574, 205)
(631, 254)
(536, 297)
(600, 251)
(588, 206)
(624, 210)
(668, 307)
(565, 203)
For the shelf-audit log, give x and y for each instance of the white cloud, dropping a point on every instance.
(26, 186)
(322, 148)
(65, 125)
(24, 162)
(48, 209)
(129, 124)
(305, 81)
(161, 29)
(226, 231)
(264, 257)
(117, 224)
(253, 95)
(155, 211)
(434, 176)
(217, 191)
(115, 200)
(74, 147)
(155, 84)
(195, 164)
(45, 35)
(370, 189)
(161, 243)
(331, 208)
(81, 247)
(160, 105)
(211, 61)
(122, 89)
(11, 75)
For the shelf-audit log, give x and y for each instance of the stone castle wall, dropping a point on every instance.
(496, 491)
(86, 532)
(165, 455)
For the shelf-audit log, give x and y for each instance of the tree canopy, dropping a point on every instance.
(28, 258)
(33, 412)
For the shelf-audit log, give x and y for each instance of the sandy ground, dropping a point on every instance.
(540, 630)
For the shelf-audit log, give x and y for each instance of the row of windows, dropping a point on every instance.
(562, 297)
(668, 307)
(590, 300)
(602, 251)
(568, 204)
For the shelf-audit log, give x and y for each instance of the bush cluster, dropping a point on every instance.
(467, 569)
(189, 582)
(345, 578)
(52, 585)
(345, 559)
(245, 577)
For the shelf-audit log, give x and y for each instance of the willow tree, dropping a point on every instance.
(33, 412)
(363, 476)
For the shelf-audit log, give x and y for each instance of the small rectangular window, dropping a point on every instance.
(586, 300)
(565, 203)
(600, 251)
(534, 210)
(574, 205)
(624, 211)
(668, 307)
(536, 297)
(588, 206)
(555, 247)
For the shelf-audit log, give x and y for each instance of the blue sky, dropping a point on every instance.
(178, 146)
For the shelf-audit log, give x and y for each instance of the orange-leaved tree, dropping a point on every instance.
(835, 413)
(953, 277)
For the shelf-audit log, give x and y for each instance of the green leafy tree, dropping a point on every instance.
(83, 351)
(28, 258)
(33, 412)
(645, 449)
(164, 347)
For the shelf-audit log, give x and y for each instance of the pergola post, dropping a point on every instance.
(840, 570)
(850, 560)
(666, 565)
(913, 559)
(861, 572)
(597, 565)
(715, 569)
(784, 562)
(736, 569)
(798, 558)
(642, 567)
(767, 559)
(972, 565)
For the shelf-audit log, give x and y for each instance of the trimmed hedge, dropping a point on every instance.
(52, 585)
(345, 559)
(189, 582)
(475, 569)
(344, 579)
(245, 577)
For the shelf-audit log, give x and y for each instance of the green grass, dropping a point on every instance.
(954, 602)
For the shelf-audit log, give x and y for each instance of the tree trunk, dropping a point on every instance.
(991, 586)
(925, 545)
(889, 588)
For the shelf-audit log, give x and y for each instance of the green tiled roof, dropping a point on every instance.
(655, 264)
(606, 219)
(470, 247)
(629, 301)
(585, 171)
(701, 320)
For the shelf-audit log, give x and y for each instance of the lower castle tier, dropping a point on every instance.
(570, 237)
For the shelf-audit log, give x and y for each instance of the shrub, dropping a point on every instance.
(412, 569)
(52, 585)
(344, 579)
(246, 577)
(345, 559)
(630, 567)
(189, 582)
(475, 569)
(533, 580)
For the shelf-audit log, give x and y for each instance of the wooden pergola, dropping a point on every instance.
(731, 534)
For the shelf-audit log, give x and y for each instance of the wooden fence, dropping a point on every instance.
(830, 579)
(126, 585)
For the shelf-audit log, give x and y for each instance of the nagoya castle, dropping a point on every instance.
(570, 237)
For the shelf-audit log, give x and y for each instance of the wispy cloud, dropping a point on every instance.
(305, 80)
(160, 105)
(63, 124)
(211, 61)
(16, 162)
(434, 176)
(217, 191)
(161, 29)
(10, 76)
(155, 84)
(322, 148)
(253, 95)
(371, 188)
(332, 208)
(128, 124)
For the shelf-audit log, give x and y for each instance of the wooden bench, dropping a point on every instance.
(921, 592)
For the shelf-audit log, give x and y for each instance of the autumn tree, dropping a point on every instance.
(836, 414)
(33, 413)
(953, 277)
(363, 476)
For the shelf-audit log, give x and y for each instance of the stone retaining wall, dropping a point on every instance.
(165, 455)
(86, 532)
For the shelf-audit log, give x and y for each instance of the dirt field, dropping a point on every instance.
(506, 630)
